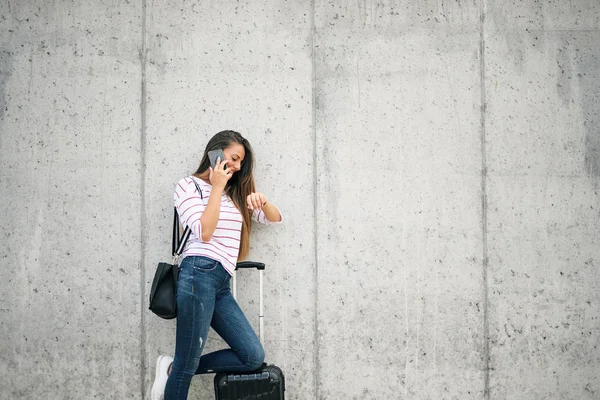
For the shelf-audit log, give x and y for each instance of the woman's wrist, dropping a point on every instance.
(217, 188)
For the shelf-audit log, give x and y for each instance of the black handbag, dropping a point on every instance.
(163, 295)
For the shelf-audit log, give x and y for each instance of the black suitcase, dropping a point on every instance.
(268, 382)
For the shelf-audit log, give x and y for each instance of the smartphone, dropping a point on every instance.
(213, 155)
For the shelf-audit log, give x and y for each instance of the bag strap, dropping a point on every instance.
(178, 243)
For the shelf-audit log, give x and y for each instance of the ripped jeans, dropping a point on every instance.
(204, 300)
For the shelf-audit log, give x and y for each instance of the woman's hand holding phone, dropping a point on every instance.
(220, 174)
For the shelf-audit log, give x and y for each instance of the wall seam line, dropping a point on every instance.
(143, 217)
(316, 360)
(484, 206)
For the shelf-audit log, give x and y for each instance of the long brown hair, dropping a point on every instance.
(240, 185)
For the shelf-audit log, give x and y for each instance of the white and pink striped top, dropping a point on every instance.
(224, 245)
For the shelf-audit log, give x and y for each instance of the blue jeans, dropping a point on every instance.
(204, 300)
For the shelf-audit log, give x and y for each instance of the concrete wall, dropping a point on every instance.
(437, 164)
(543, 157)
(70, 217)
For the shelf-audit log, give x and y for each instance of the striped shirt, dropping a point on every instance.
(224, 245)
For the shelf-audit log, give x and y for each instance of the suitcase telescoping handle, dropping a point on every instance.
(260, 267)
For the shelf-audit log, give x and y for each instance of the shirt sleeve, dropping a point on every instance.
(259, 216)
(189, 205)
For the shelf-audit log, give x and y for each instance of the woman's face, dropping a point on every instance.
(234, 153)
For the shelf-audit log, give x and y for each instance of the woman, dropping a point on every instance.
(220, 220)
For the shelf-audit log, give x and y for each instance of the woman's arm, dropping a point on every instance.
(218, 179)
(210, 216)
(271, 212)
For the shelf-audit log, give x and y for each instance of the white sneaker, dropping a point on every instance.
(160, 377)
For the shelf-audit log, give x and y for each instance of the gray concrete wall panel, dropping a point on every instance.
(542, 74)
(440, 202)
(400, 299)
(70, 154)
(242, 66)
